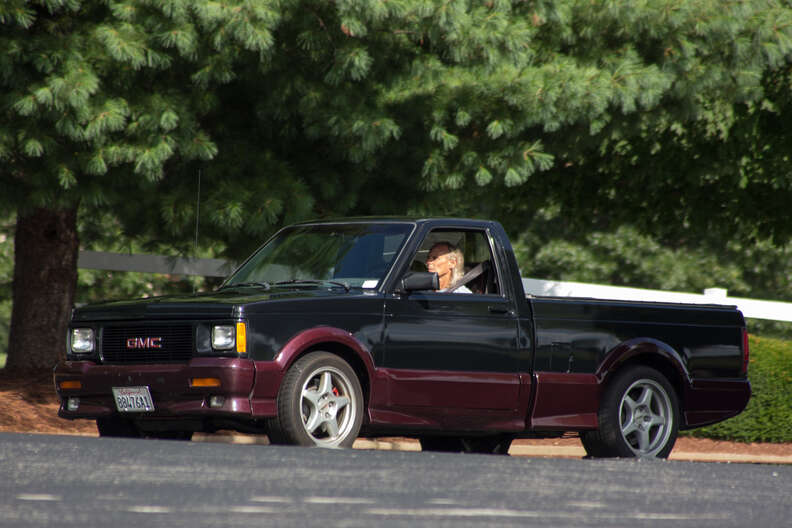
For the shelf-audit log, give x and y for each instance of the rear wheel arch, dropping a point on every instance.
(651, 366)
(640, 414)
(664, 367)
(649, 353)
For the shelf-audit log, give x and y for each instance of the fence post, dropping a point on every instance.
(716, 293)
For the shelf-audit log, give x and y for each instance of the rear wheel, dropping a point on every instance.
(638, 417)
(320, 403)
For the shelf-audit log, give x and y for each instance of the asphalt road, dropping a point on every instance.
(97, 482)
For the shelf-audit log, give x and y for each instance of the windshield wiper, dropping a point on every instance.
(262, 284)
(315, 281)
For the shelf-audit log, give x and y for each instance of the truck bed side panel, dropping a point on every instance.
(576, 335)
(588, 339)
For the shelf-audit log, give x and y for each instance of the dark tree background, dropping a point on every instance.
(638, 144)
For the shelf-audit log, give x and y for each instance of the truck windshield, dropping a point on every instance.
(358, 255)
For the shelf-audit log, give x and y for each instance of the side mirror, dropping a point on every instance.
(420, 280)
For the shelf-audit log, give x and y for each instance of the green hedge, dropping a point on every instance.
(768, 416)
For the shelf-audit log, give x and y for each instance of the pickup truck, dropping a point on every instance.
(335, 330)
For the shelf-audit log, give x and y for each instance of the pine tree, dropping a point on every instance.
(657, 114)
(96, 98)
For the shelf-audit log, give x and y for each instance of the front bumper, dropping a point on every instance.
(169, 385)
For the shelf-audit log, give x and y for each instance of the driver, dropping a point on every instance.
(447, 261)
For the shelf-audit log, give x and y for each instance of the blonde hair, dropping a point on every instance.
(458, 271)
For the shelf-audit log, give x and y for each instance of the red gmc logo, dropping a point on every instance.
(144, 342)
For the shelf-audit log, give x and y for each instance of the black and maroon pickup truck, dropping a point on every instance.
(335, 330)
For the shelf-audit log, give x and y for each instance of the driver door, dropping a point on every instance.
(451, 358)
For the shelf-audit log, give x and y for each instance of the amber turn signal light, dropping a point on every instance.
(204, 382)
(70, 384)
(241, 338)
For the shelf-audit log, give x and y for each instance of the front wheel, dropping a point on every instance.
(638, 417)
(320, 403)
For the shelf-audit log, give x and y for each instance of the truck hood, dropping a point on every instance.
(222, 304)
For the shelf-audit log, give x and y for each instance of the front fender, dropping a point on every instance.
(269, 374)
(322, 334)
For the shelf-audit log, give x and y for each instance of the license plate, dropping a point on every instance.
(133, 399)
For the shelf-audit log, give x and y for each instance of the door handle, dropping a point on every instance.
(499, 310)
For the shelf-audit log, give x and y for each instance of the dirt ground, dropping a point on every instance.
(31, 406)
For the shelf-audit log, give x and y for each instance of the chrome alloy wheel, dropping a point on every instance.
(327, 406)
(646, 417)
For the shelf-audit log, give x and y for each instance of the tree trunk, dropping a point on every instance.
(45, 279)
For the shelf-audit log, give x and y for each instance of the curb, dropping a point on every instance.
(543, 451)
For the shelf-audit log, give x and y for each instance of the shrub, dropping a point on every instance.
(768, 416)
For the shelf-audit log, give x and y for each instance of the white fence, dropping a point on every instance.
(753, 308)
(103, 260)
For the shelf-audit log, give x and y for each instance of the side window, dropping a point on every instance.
(462, 260)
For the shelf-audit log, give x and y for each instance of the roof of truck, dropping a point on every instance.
(400, 219)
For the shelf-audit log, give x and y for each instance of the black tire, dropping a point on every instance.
(593, 444)
(638, 417)
(489, 445)
(117, 427)
(320, 403)
(274, 434)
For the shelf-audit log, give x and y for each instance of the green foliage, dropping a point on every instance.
(90, 87)
(653, 132)
(626, 257)
(594, 109)
(768, 416)
(104, 233)
(771, 329)
(551, 247)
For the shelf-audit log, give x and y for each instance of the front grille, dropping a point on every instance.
(176, 344)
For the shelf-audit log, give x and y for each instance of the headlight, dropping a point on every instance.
(82, 340)
(223, 337)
